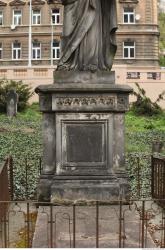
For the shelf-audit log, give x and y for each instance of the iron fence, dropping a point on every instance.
(24, 175)
(114, 224)
(158, 178)
(4, 186)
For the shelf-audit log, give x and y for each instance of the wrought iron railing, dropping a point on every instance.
(158, 177)
(116, 224)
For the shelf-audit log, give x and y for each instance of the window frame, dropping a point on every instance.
(17, 50)
(36, 49)
(13, 22)
(1, 51)
(129, 16)
(36, 17)
(129, 50)
(55, 16)
(55, 50)
(1, 17)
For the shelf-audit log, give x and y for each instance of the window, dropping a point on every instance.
(17, 17)
(129, 50)
(36, 50)
(129, 15)
(56, 50)
(1, 18)
(1, 50)
(133, 75)
(36, 17)
(55, 16)
(16, 50)
(154, 75)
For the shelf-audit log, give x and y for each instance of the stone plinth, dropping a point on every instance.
(83, 134)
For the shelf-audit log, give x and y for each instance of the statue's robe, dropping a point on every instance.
(88, 41)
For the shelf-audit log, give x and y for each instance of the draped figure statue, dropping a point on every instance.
(88, 41)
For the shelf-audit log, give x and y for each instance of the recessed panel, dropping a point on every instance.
(85, 142)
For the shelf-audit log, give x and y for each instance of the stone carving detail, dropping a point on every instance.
(122, 102)
(86, 101)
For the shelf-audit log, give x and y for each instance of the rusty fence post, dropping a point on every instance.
(51, 226)
(74, 226)
(5, 228)
(26, 178)
(97, 224)
(28, 225)
(120, 224)
(11, 176)
(143, 224)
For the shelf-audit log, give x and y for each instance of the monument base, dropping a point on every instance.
(83, 132)
(83, 189)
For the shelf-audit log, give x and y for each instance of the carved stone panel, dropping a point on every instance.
(90, 102)
(84, 143)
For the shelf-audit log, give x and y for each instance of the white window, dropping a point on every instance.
(1, 51)
(129, 50)
(17, 17)
(56, 50)
(16, 51)
(55, 16)
(1, 18)
(36, 50)
(129, 15)
(36, 17)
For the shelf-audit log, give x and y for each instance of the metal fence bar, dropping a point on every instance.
(28, 225)
(51, 226)
(97, 224)
(120, 224)
(74, 226)
(11, 177)
(158, 177)
(143, 224)
(26, 178)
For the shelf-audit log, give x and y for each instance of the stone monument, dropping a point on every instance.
(12, 100)
(83, 111)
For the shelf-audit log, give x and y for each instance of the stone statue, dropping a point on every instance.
(88, 41)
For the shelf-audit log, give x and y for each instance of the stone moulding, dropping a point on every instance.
(77, 98)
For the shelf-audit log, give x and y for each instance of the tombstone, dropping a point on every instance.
(12, 100)
(83, 111)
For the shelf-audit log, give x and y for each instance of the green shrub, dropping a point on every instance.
(143, 105)
(162, 61)
(23, 90)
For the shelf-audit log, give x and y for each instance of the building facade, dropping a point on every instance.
(32, 56)
(137, 36)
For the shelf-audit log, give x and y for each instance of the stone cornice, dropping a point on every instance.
(16, 3)
(37, 2)
(2, 3)
(129, 1)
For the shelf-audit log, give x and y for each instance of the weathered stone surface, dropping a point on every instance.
(84, 77)
(12, 100)
(83, 131)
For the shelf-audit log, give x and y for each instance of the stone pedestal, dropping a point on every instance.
(83, 132)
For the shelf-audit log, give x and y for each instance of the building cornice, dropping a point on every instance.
(2, 4)
(16, 3)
